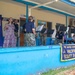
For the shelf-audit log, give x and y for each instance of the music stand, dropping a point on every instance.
(43, 30)
(73, 30)
(49, 32)
(39, 28)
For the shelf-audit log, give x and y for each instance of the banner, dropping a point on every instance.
(1, 37)
(67, 52)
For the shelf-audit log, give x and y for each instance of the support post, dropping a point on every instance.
(67, 27)
(1, 34)
(27, 13)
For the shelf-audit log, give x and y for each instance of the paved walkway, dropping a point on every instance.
(67, 72)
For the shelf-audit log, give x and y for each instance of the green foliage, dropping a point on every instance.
(56, 71)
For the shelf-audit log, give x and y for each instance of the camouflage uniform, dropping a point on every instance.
(43, 39)
(30, 39)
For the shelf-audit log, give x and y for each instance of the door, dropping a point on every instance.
(49, 28)
(22, 22)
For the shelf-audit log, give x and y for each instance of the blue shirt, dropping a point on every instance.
(29, 26)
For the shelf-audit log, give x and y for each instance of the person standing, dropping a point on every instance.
(16, 27)
(16, 30)
(43, 35)
(73, 39)
(30, 32)
(9, 39)
(59, 37)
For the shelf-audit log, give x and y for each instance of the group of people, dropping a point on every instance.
(11, 33)
(62, 37)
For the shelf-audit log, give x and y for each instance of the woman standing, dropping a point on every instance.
(9, 39)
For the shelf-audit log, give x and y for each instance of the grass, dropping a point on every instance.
(54, 72)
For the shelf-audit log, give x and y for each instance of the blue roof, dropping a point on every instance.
(69, 2)
(25, 2)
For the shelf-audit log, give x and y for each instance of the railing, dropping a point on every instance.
(30, 60)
